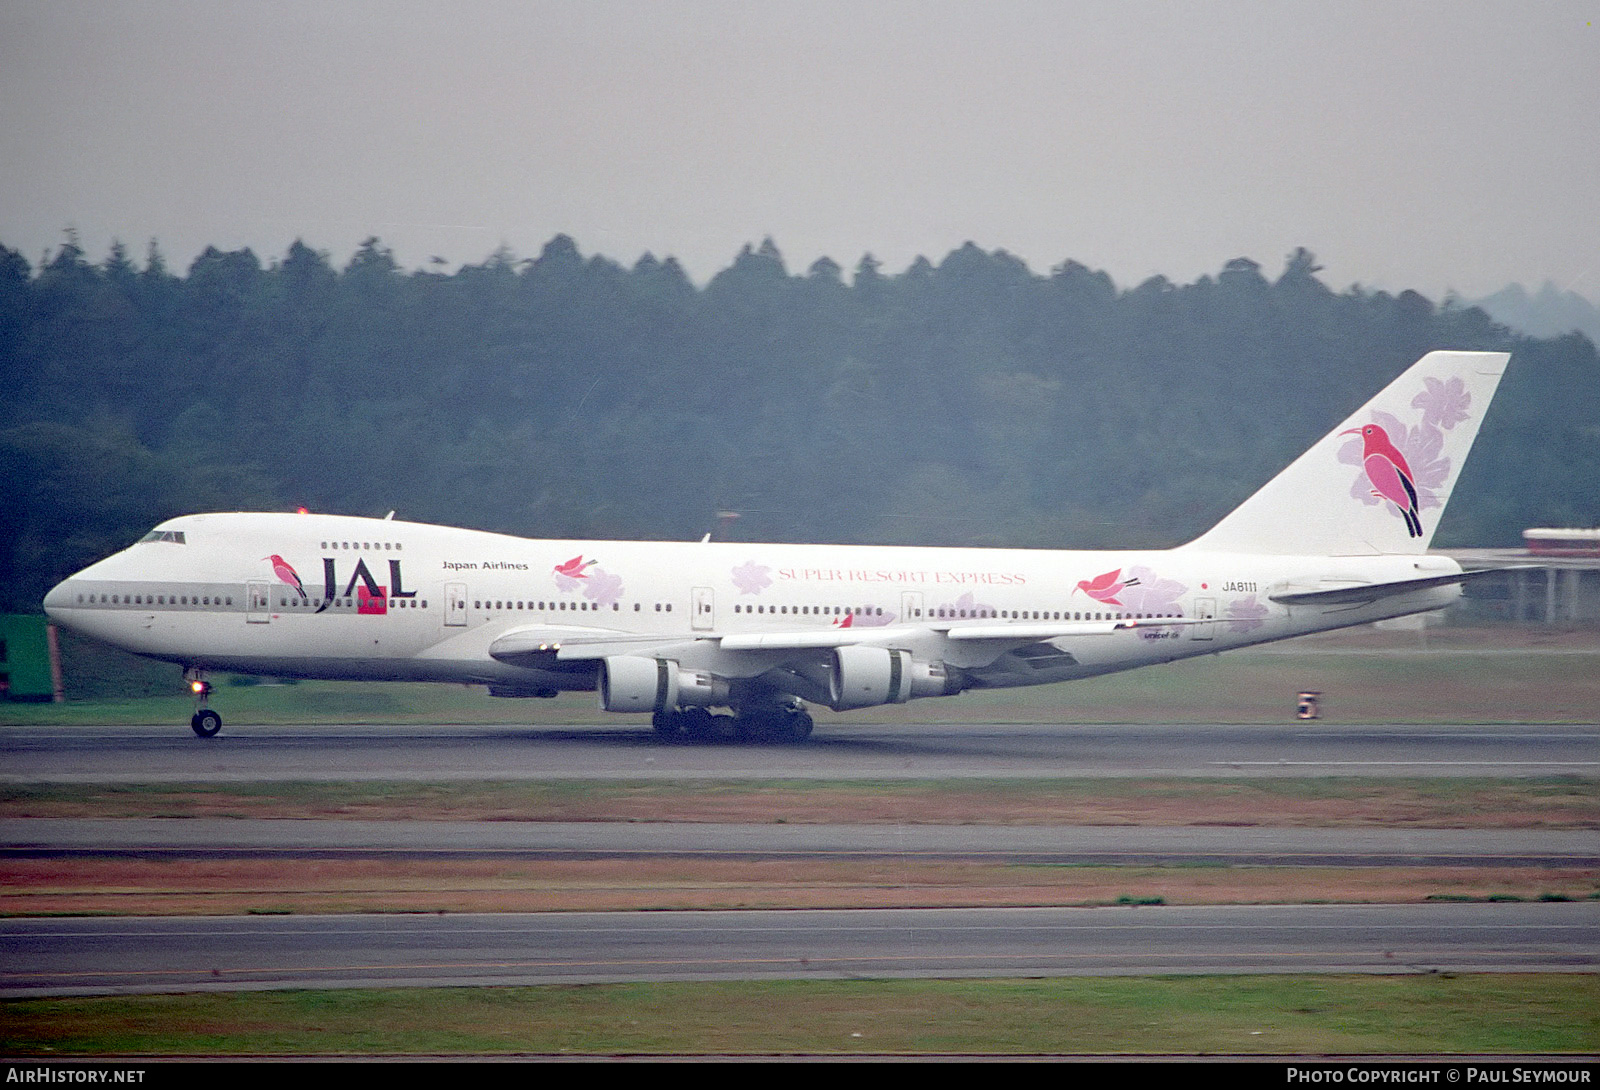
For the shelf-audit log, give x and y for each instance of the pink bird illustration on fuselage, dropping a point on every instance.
(284, 571)
(1389, 473)
(573, 569)
(1105, 588)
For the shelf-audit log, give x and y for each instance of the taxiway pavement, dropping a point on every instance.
(154, 754)
(123, 955)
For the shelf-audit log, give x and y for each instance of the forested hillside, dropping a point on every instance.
(969, 401)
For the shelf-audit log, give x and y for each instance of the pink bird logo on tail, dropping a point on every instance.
(1389, 474)
(1105, 588)
(285, 572)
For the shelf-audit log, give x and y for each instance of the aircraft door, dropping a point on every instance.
(259, 596)
(704, 609)
(1205, 612)
(455, 605)
(911, 606)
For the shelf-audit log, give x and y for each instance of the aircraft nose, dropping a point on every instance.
(59, 597)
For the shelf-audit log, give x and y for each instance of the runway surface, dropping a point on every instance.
(95, 956)
(1054, 844)
(902, 751)
(75, 956)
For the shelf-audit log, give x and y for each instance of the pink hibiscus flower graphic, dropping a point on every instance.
(1246, 614)
(752, 578)
(1147, 592)
(973, 608)
(602, 588)
(1443, 404)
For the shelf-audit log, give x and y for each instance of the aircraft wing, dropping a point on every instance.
(572, 643)
(1365, 593)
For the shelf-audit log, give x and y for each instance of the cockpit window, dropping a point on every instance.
(175, 537)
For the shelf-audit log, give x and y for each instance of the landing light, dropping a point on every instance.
(200, 688)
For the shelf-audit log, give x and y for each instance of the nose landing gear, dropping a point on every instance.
(204, 722)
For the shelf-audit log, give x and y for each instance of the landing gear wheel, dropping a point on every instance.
(781, 724)
(206, 723)
(699, 723)
(668, 725)
(799, 724)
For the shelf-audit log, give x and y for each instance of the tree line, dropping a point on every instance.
(972, 401)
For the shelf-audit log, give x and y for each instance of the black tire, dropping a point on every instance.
(700, 723)
(800, 724)
(206, 723)
(668, 725)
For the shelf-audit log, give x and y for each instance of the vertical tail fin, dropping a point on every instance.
(1379, 481)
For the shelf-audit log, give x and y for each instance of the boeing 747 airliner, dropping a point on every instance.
(675, 630)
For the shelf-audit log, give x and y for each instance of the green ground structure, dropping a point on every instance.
(24, 657)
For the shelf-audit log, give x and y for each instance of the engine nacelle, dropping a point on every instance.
(633, 683)
(866, 676)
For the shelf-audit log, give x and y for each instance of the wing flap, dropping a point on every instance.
(520, 643)
(822, 637)
(1062, 630)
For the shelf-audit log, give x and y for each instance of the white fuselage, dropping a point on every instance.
(324, 596)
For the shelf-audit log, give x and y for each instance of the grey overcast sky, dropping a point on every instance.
(1427, 145)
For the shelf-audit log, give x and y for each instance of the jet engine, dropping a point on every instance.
(633, 683)
(864, 676)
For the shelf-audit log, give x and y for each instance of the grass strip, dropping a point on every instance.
(80, 886)
(1232, 1015)
(1564, 802)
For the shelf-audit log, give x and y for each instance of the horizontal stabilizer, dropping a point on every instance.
(1371, 592)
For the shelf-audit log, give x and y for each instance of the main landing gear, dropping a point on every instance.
(204, 722)
(782, 722)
